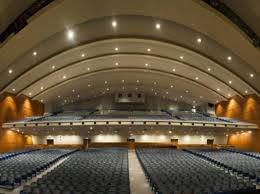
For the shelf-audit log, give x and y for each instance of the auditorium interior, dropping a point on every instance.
(129, 96)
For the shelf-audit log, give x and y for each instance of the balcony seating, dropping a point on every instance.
(95, 171)
(178, 172)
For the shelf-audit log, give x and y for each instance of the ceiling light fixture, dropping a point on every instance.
(34, 53)
(209, 69)
(10, 71)
(173, 70)
(116, 49)
(246, 91)
(218, 89)
(64, 77)
(251, 75)
(13, 89)
(149, 50)
(230, 82)
(158, 26)
(181, 57)
(53, 67)
(42, 87)
(199, 40)
(82, 55)
(116, 64)
(146, 64)
(70, 35)
(229, 58)
(196, 78)
(114, 23)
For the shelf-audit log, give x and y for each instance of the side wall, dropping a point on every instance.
(246, 109)
(14, 108)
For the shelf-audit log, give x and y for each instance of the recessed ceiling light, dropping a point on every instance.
(201, 96)
(217, 101)
(187, 91)
(73, 90)
(114, 23)
(105, 82)
(34, 53)
(136, 88)
(137, 81)
(199, 40)
(123, 87)
(146, 64)
(107, 89)
(209, 69)
(173, 70)
(88, 69)
(155, 93)
(218, 89)
(246, 91)
(154, 83)
(167, 92)
(193, 101)
(116, 64)
(41, 100)
(13, 89)
(122, 81)
(30, 93)
(230, 82)
(116, 49)
(149, 50)
(64, 77)
(171, 86)
(42, 87)
(89, 85)
(181, 57)
(158, 26)
(10, 71)
(53, 67)
(181, 96)
(251, 75)
(82, 55)
(196, 78)
(170, 132)
(70, 35)
(78, 96)
(229, 95)
(229, 58)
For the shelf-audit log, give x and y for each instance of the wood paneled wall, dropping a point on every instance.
(245, 109)
(11, 109)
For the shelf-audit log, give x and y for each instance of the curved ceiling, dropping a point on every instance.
(102, 50)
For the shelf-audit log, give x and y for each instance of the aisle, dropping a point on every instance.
(138, 182)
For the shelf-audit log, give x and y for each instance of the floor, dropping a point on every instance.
(138, 181)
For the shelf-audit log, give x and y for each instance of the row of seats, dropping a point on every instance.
(171, 171)
(22, 167)
(96, 171)
(252, 154)
(7, 155)
(237, 163)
